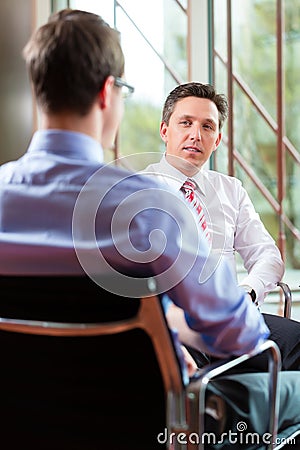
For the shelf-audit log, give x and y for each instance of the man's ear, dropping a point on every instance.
(218, 140)
(104, 96)
(164, 132)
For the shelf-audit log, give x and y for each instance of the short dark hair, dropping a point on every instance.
(69, 59)
(194, 89)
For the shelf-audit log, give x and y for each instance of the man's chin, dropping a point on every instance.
(189, 165)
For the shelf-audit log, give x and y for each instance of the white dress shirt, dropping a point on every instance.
(234, 224)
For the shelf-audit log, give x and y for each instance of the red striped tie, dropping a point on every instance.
(188, 188)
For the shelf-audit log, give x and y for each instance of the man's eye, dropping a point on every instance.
(185, 122)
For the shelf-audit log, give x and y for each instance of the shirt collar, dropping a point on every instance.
(67, 144)
(175, 178)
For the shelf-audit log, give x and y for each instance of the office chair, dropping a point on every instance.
(85, 369)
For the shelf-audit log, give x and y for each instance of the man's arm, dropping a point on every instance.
(148, 230)
(260, 255)
(203, 286)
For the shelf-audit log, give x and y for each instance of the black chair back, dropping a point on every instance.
(103, 386)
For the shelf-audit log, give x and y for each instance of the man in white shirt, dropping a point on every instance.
(191, 128)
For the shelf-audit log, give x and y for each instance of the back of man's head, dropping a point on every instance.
(69, 59)
(195, 89)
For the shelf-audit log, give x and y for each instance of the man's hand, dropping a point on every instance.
(190, 362)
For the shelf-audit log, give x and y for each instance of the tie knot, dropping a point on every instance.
(188, 186)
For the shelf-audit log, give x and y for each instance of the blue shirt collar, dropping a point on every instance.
(68, 144)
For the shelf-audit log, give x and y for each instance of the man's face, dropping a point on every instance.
(193, 132)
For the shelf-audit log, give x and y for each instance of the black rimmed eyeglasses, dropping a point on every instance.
(127, 90)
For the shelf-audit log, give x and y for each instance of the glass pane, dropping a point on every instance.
(292, 211)
(255, 69)
(292, 111)
(104, 8)
(146, 48)
(139, 132)
(220, 157)
(220, 25)
(254, 48)
(57, 5)
(255, 141)
(292, 69)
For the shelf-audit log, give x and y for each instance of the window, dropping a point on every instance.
(255, 64)
(153, 37)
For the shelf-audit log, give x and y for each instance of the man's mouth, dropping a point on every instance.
(192, 149)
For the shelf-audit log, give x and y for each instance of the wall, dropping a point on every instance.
(16, 108)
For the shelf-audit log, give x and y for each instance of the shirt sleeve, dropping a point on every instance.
(260, 255)
(148, 230)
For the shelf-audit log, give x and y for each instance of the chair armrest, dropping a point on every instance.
(287, 299)
(197, 388)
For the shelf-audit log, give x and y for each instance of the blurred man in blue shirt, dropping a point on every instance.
(64, 211)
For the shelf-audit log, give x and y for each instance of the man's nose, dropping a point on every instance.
(196, 133)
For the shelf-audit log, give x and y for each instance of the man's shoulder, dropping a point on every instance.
(132, 181)
(155, 167)
(216, 177)
(160, 173)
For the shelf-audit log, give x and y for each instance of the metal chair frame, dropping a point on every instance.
(287, 298)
